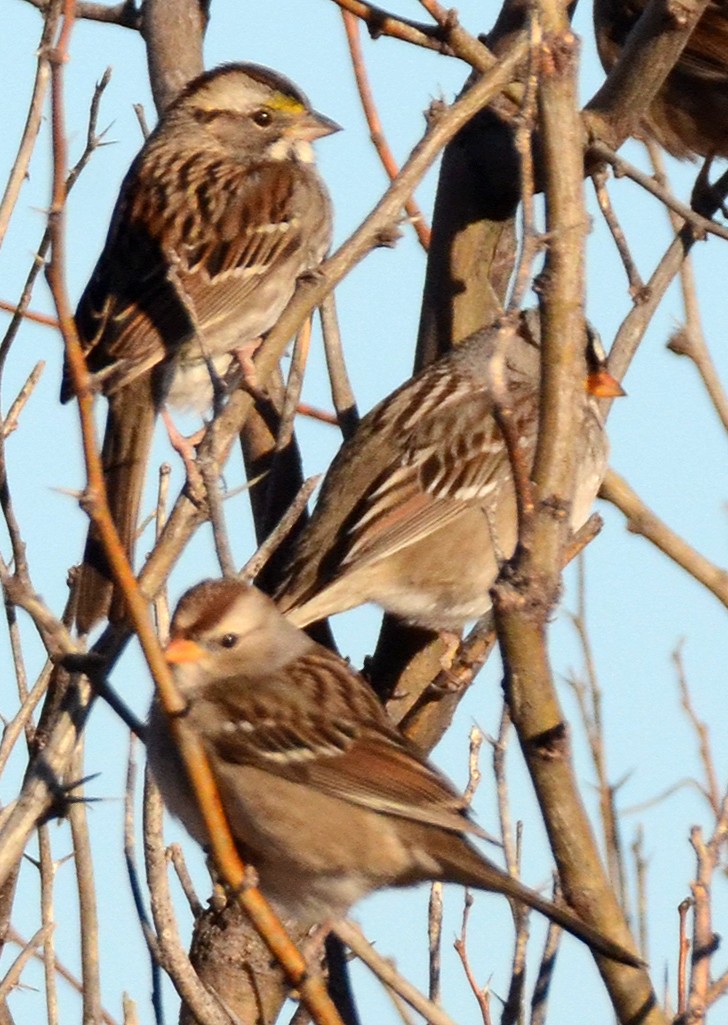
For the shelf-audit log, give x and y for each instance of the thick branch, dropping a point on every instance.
(652, 49)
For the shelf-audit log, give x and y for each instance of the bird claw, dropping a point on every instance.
(183, 446)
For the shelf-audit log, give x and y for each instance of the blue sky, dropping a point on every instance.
(665, 440)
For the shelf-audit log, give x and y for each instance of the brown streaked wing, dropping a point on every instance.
(130, 310)
(314, 707)
(382, 773)
(253, 218)
(705, 52)
(128, 307)
(364, 762)
(452, 459)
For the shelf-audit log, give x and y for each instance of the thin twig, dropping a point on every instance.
(434, 942)
(62, 971)
(10, 423)
(19, 171)
(88, 912)
(161, 601)
(460, 944)
(474, 774)
(93, 140)
(383, 23)
(352, 936)
(294, 384)
(623, 169)
(213, 489)
(682, 959)
(133, 874)
(702, 992)
(590, 704)
(314, 413)
(514, 1008)
(172, 955)
(690, 342)
(254, 565)
(376, 132)
(125, 14)
(532, 241)
(539, 998)
(500, 746)
(641, 520)
(177, 858)
(38, 318)
(13, 729)
(701, 730)
(636, 284)
(47, 878)
(640, 863)
(464, 45)
(342, 393)
(12, 976)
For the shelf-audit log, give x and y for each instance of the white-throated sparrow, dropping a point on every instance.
(324, 796)
(417, 511)
(219, 215)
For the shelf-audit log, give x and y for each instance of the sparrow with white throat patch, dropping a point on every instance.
(218, 217)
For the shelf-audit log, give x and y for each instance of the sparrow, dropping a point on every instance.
(417, 511)
(689, 114)
(325, 798)
(218, 216)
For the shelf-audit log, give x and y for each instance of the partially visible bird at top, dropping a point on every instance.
(689, 114)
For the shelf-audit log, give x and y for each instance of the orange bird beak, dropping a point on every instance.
(181, 650)
(602, 385)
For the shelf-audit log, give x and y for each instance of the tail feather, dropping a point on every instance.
(124, 457)
(463, 864)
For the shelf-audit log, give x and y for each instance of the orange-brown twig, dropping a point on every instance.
(222, 845)
(313, 413)
(38, 318)
(376, 132)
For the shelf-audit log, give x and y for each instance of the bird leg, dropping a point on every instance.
(244, 356)
(313, 945)
(451, 640)
(184, 447)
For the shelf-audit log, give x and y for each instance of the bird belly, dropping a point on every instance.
(446, 578)
(191, 388)
(292, 834)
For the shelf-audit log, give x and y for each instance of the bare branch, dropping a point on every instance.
(641, 520)
(351, 935)
(376, 132)
(124, 14)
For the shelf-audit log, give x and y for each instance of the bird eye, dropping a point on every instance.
(228, 641)
(262, 117)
